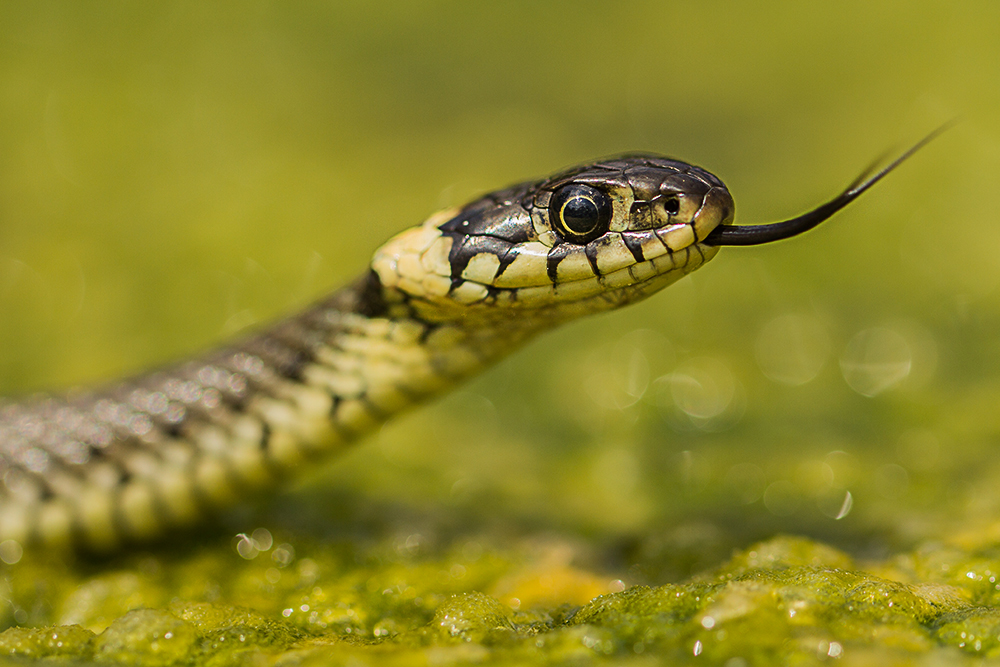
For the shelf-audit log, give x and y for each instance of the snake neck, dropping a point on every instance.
(128, 462)
(384, 351)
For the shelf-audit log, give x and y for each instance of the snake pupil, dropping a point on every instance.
(580, 213)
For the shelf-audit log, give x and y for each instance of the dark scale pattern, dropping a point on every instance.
(52, 446)
(634, 244)
(498, 221)
(591, 251)
(467, 247)
(556, 255)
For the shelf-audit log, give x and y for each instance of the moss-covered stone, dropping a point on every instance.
(146, 637)
(472, 617)
(60, 641)
(788, 599)
(975, 630)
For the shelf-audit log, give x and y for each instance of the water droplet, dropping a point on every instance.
(283, 554)
(702, 389)
(11, 551)
(875, 360)
(262, 539)
(621, 371)
(846, 507)
(747, 481)
(792, 349)
(245, 546)
(781, 498)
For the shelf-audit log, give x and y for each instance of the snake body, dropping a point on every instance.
(439, 302)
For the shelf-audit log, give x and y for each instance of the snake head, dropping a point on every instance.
(590, 238)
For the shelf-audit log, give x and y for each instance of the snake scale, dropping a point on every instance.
(94, 469)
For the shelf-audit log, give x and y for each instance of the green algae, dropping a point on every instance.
(64, 641)
(146, 637)
(472, 617)
(787, 599)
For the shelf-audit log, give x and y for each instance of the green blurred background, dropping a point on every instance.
(173, 172)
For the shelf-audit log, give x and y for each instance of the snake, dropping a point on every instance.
(134, 460)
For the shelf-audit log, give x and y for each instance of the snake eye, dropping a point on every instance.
(580, 213)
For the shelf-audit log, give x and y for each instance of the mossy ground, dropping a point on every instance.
(787, 600)
(789, 458)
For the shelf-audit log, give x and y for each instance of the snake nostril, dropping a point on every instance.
(672, 205)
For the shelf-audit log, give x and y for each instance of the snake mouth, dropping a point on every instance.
(745, 235)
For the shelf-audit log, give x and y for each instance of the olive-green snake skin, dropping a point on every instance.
(441, 301)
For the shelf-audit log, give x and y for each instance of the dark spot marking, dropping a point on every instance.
(235, 402)
(506, 259)
(283, 350)
(429, 328)
(634, 244)
(591, 251)
(670, 251)
(372, 409)
(47, 492)
(556, 255)
(335, 401)
(265, 435)
(371, 302)
(465, 248)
